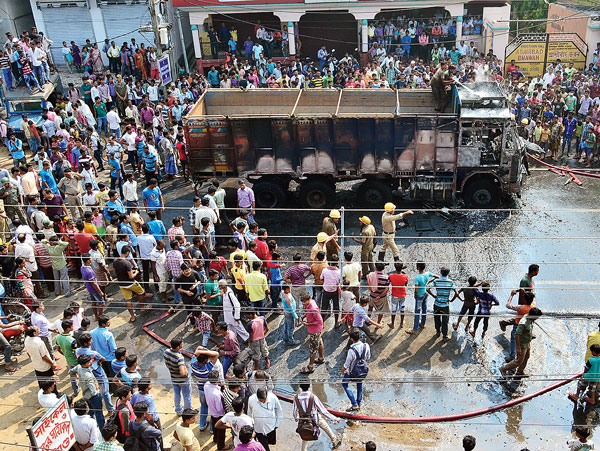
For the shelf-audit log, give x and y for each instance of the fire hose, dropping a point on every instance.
(564, 170)
(397, 420)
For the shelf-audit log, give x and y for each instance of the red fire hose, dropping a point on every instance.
(401, 420)
(561, 170)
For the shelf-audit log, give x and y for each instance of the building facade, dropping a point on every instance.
(571, 17)
(338, 24)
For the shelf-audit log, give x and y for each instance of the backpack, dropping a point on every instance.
(121, 422)
(308, 429)
(360, 369)
(134, 441)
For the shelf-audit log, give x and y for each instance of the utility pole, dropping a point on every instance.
(153, 4)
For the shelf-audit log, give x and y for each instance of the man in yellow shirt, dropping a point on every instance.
(183, 431)
(239, 272)
(257, 288)
(593, 339)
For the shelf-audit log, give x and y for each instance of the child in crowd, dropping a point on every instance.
(581, 443)
(468, 301)
(289, 315)
(348, 300)
(486, 301)
(590, 379)
(399, 281)
(258, 345)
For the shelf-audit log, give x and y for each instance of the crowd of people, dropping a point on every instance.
(559, 110)
(61, 222)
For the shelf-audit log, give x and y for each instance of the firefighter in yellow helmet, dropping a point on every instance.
(388, 224)
(330, 228)
(367, 242)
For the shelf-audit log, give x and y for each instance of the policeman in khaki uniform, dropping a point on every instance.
(367, 242)
(330, 228)
(388, 223)
(70, 188)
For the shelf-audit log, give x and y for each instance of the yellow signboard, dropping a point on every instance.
(532, 56)
(567, 52)
(529, 56)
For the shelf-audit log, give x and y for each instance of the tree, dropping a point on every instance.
(528, 10)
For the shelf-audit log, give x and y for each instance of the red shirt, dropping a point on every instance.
(399, 282)
(181, 149)
(219, 264)
(262, 249)
(83, 241)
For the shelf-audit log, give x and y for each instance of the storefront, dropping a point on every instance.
(340, 25)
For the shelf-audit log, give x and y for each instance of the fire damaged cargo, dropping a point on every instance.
(391, 140)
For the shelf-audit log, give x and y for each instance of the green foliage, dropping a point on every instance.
(527, 10)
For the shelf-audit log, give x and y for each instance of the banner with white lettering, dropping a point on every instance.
(164, 68)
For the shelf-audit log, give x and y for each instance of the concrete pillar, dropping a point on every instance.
(97, 22)
(459, 27)
(197, 47)
(38, 18)
(291, 28)
(364, 36)
(494, 18)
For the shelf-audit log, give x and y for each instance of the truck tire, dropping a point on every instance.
(269, 194)
(374, 193)
(317, 193)
(482, 193)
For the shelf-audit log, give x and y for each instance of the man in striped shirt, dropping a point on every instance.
(441, 306)
(179, 375)
(317, 413)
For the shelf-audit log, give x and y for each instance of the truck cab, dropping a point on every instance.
(19, 102)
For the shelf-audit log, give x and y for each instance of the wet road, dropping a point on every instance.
(460, 376)
(419, 376)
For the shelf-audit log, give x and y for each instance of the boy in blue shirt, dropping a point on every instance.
(289, 315)
(276, 279)
(590, 379)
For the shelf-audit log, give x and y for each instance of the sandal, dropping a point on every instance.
(307, 370)
(320, 361)
(10, 369)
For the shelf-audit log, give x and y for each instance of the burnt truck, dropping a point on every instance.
(393, 141)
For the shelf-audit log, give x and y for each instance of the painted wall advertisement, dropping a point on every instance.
(533, 53)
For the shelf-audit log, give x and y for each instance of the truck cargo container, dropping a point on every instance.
(391, 140)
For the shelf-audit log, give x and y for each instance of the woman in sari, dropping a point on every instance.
(86, 62)
(76, 56)
(96, 60)
(23, 282)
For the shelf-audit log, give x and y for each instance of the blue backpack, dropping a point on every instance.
(360, 369)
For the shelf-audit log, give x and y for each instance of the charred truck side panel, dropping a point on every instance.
(390, 139)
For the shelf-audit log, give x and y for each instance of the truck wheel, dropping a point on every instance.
(317, 194)
(482, 193)
(374, 193)
(269, 194)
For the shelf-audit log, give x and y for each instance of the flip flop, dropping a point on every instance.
(307, 370)
(320, 361)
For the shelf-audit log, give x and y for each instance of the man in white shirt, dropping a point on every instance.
(112, 117)
(38, 56)
(232, 311)
(130, 192)
(25, 250)
(129, 138)
(317, 413)
(264, 408)
(548, 77)
(152, 92)
(235, 420)
(158, 259)
(85, 427)
(146, 244)
(39, 354)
